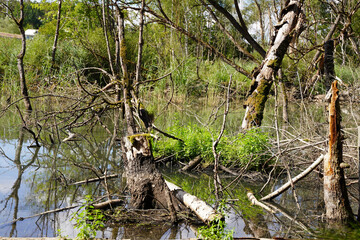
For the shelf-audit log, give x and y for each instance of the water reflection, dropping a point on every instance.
(35, 180)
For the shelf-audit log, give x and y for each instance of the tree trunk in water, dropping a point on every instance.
(145, 183)
(147, 187)
(291, 25)
(338, 210)
(20, 61)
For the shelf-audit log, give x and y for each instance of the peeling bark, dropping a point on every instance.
(337, 206)
(145, 182)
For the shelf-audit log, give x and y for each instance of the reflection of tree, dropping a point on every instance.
(14, 195)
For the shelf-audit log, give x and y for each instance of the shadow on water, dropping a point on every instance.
(36, 180)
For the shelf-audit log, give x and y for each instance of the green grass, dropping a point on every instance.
(237, 150)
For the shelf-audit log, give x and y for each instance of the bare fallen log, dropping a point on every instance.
(192, 164)
(228, 170)
(108, 203)
(294, 180)
(254, 201)
(206, 213)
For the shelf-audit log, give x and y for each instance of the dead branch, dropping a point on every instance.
(294, 180)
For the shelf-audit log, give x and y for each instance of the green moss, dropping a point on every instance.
(146, 135)
(274, 63)
(257, 101)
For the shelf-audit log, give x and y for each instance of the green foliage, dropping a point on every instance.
(216, 230)
(88, 220)
(348, 74)
(8, 25)
(235, 150)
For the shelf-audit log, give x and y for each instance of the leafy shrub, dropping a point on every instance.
(88, 220)
(235, 150)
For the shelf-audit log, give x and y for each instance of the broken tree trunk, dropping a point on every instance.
(329, 64)
(205, 212)
(290, 26)
(146, 184)
(337, 206)
(144, 181)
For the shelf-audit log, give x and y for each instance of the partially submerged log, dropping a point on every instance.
(108, 204)
(293, 180)
(254, 201)
(192, 164)
(206, 213)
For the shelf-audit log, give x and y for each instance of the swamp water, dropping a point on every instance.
(35, 180)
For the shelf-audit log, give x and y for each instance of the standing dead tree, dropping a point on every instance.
(337, 205)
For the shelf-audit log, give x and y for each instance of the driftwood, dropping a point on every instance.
(205, 212)
(228, 170)
(192, 164)
(294, 180)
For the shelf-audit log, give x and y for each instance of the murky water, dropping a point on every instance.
(36, 180)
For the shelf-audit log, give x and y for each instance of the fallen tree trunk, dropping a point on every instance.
(254, 201)
(192, 164)
(205, 212)
(294, 180)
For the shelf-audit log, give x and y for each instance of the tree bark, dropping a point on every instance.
(329, 68)
(56, 35)
(145, 183)
(337, 206)
(291, 25)
(241, 29)
(20, 60)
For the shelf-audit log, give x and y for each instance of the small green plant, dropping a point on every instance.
(88, 220)
(216, 230)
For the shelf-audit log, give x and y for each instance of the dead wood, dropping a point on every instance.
(337, 205)
(228, 170)
(205, 212)
(294, 180)
(108, 204)
(95, 179)
(192, 164)
(254, 201)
